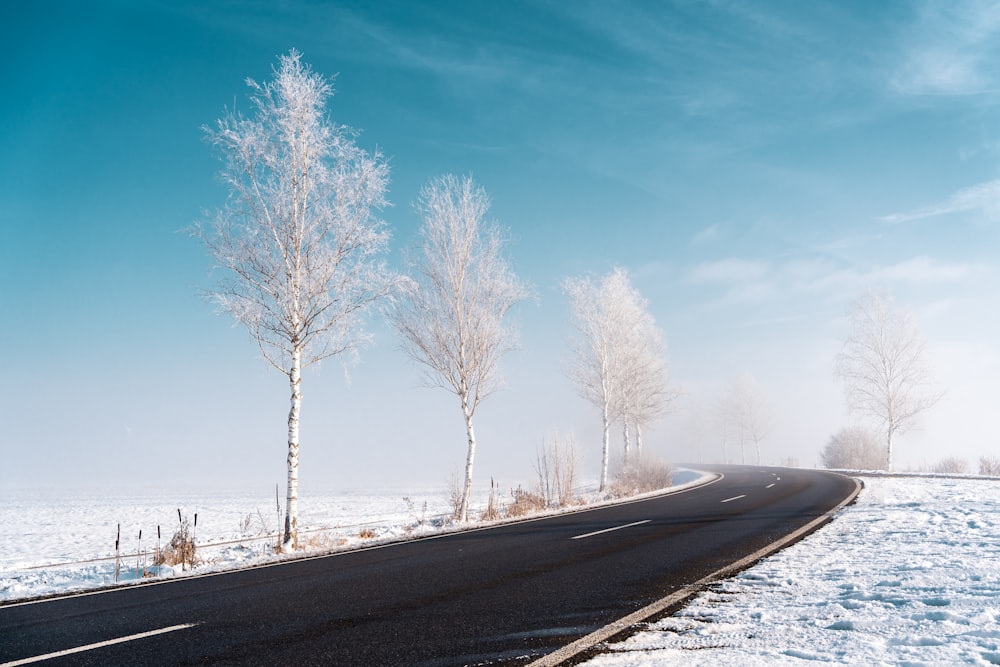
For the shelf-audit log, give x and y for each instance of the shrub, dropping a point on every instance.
(524, 502)
(645, 475)
(455, 496)
(254, 525)
(555, 463)
(854, 448)
(180, 550)
(951, 465)
(989, 465)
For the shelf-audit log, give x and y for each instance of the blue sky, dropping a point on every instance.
(755, 166)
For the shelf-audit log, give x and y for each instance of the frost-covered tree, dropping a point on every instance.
(617, 358)
(299, 238)
(746, 415)
(882, 363)
(453, 319)
(853, 448)
(644, 393)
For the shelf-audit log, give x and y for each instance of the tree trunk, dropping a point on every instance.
(292, 500)
(627, 438)
(638, 441)
(888, 449)
(605, 452)
(470, 433)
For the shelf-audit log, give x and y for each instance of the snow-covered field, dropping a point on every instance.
(910, 575)
(59, 543)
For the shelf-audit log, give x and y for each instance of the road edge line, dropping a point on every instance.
(587, 642)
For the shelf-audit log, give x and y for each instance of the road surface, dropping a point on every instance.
(504, 595)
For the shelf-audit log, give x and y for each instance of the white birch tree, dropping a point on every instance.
(882, 364)
(596, 310)
(299, 238)
(746, 414)
(453, 319)
(646, 394)
(617, 360)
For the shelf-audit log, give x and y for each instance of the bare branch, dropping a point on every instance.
(299, 234)
(883, 368)
(452, 318)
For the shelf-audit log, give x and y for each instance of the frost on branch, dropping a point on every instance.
(452, 320)
(882, 364)
(299, 238)
(618, 358)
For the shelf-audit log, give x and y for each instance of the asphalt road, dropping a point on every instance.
(505, 595)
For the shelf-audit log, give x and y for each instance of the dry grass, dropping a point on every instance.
(181, 549)
(555, 464)
(644, 476)
(492, 511)
(525, 502)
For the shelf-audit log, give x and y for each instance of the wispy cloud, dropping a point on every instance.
(981, 197)
(709, 234)
(950, 50)
(917, 271)
(731, 270)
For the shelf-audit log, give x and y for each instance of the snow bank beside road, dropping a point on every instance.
(908, 575)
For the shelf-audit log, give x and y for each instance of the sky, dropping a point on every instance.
(755, 167)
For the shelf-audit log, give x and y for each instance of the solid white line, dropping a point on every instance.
(722, 501)
(598, 532)
(91, 647)
(769, 486)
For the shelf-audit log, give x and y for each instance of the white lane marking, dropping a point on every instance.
(769, 486)
(597, 532)
(588, 642)
(91, 647)
(724, 501)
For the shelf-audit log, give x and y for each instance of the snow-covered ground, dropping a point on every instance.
(909, 575)
(66, 542)
(58, 543)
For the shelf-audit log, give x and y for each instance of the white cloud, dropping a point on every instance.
(949, 50)
(924, 270)
(981, 197)
(918, 271)
(708, 235)
(731, 270)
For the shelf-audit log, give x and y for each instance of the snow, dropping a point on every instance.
(909, 575)
(51, 544)
(59, 543)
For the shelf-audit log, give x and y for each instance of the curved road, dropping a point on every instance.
(505, 595)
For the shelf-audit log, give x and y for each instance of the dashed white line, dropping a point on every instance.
(727, 500)
(769, 486)
(91, 647)
(597, 532)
